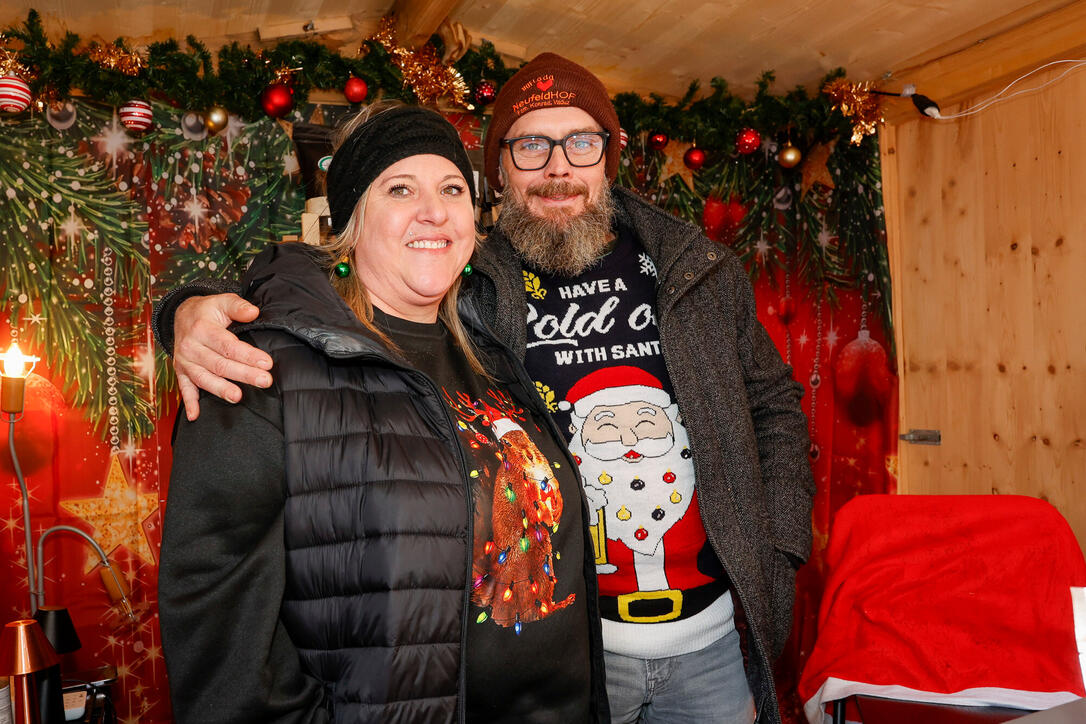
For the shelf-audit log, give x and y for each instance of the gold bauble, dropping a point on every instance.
(789, 157)
(215, 119)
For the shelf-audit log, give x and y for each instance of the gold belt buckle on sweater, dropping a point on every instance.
(673, 595)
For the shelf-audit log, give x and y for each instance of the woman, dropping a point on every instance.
(393, 532)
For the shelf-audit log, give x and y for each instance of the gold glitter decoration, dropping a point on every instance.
(422, 69)
(116, 516)
(857, 102)
(10, 65)
(114, 57)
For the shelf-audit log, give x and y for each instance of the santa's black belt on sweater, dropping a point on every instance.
(660, 606)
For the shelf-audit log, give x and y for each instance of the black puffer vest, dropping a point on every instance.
(377, 518)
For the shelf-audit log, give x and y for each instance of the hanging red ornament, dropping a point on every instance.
(862, 379)
(786, 310)
(721, 218)
(355, 89)
(657, 141)
(748, 141)
(713, 216)
(136, 115)
(39, 431)
(485, 93)
(277, 100)
(623, 138)
(14, 94)
(694, 158)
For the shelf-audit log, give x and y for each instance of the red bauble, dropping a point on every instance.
(713, 217)
(39, 431)
(786, 310)
(355, 89)
(623, 138)
(14, 94)
(748, 141)
(658, 141)
(485, 93)
(136, 115)
(862, 379)
(694, 158)
(277, 100)
(721, 219)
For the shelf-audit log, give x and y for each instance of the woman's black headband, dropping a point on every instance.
(381, 141)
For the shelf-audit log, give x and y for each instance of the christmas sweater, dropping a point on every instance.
(593, 349)
(527, 637)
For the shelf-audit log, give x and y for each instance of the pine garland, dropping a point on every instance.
(829, 238)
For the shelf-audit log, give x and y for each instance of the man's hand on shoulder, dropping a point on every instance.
(207, 355)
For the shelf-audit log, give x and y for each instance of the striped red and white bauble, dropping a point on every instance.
(136, 115)
(623, 139)
(14, 94)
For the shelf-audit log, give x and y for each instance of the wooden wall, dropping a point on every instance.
(986, 218)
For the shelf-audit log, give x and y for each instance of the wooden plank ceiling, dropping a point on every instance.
(634, 45)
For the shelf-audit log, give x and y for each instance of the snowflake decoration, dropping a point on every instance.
(647, 267)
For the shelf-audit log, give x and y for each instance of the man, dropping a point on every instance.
(598, 290)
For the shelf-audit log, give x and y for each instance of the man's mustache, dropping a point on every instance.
(649, 447)
(557, 187)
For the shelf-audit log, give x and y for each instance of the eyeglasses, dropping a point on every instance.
(584, 148)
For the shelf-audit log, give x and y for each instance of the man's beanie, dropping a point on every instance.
(550, 81)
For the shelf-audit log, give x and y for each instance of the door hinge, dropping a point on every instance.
(922, 437)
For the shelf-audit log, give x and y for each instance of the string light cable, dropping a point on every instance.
(930, 108)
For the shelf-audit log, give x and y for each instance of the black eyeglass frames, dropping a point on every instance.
(583, 148)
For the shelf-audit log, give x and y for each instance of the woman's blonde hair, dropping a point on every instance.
(340, 246)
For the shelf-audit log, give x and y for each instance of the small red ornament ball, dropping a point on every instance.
(748, 141)
(641, 534)
(694, 158)
(485, 93)
(277, 100)
(623, 138)
(658, 141)
(355, 89)
(14, 94)
(862, 379)
(136, 115)
(669, 477)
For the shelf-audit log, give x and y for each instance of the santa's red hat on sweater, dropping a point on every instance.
(614, 386)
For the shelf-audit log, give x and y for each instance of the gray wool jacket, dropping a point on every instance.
(739, 403)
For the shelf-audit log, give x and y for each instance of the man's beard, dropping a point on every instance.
(559, 243)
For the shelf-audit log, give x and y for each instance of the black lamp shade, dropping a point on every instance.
(57, 624)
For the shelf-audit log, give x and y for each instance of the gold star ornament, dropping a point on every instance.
(815, 169)
(674, 165)
(117, 515)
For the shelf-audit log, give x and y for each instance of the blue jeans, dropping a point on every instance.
(703, 687)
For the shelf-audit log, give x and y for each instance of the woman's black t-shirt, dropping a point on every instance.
(528, 636)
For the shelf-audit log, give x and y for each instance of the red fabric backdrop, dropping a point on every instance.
(76, 478)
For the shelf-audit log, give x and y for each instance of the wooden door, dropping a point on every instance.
(986, 218)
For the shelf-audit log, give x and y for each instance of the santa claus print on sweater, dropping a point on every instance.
(594, 349)
(638, 474)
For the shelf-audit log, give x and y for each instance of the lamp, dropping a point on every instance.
(56, 624)
(24, 652)
(16, 368)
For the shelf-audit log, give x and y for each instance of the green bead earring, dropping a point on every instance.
(343, 268)
(467, 269)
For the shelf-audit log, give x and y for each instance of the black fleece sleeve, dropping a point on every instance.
(222, 572)
(163, 312)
